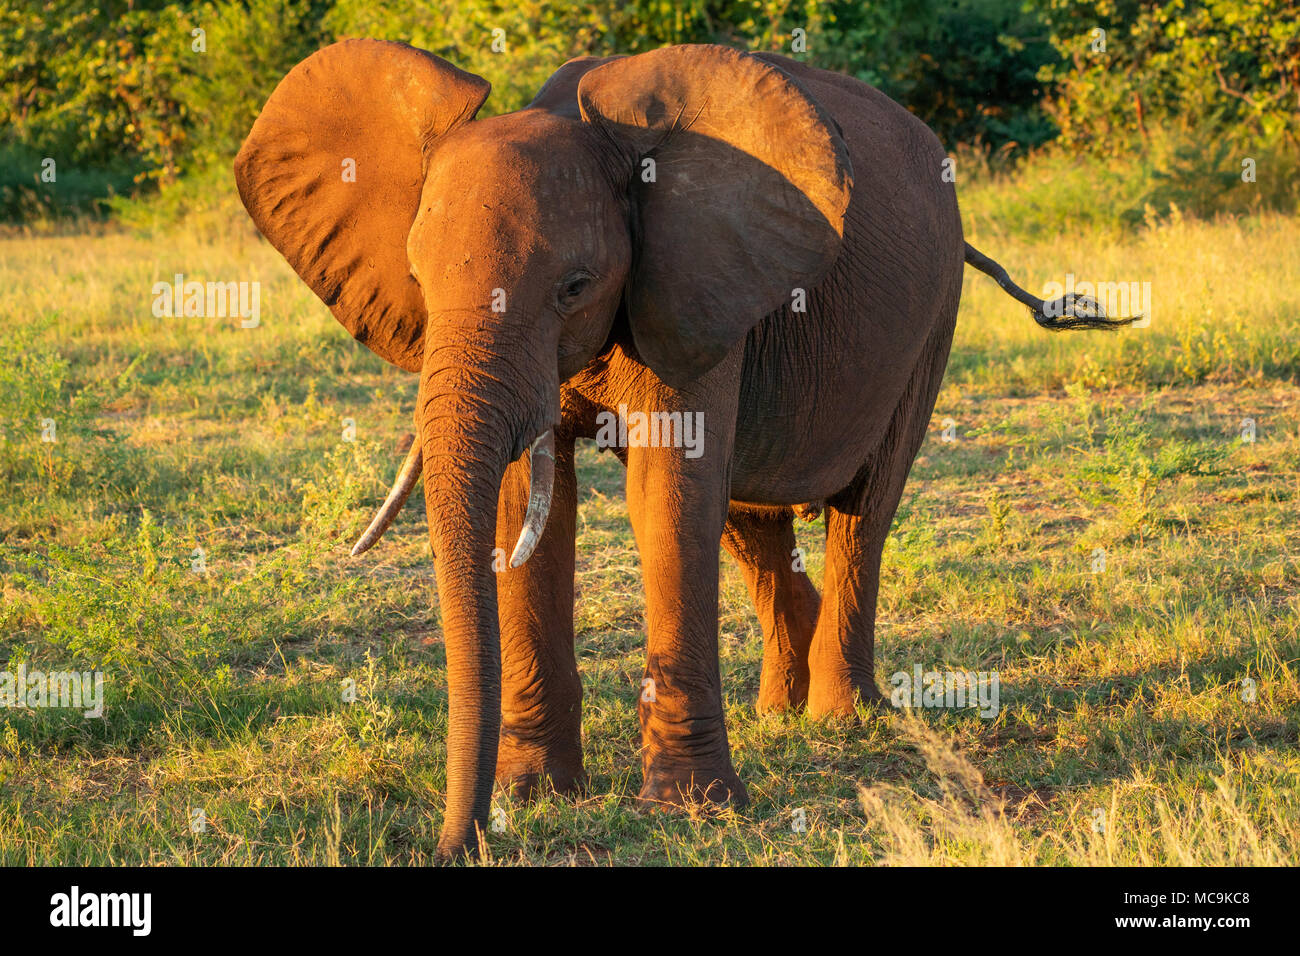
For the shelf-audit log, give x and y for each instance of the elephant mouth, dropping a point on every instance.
(541, 485)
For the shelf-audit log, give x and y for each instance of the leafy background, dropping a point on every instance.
(117, 94)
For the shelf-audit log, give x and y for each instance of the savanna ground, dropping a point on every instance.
(1128, 730)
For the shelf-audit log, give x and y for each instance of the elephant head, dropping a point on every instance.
(685, 192)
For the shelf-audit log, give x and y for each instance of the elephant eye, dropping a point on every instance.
(572, 287)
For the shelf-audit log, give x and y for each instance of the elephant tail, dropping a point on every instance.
(1071, 311)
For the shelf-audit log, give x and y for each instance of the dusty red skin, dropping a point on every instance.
(791, 270)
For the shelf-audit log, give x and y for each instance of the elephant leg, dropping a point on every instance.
(841, 660)
(678, 507)
(763, 544)
(541, 693)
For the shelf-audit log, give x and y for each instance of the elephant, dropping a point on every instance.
(692, 234)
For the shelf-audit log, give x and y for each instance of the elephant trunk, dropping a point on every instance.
(463, 537)
(471, 428)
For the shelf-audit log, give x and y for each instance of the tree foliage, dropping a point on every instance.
(132, 85)
(1203, 67)
(136, 91)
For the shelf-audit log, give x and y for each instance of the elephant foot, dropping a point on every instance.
(782, 689)
(526, 771)
(457, 851)
(671, 788)
(842, 698)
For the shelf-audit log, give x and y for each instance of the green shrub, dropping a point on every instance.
(1131, 67)
(134, 98)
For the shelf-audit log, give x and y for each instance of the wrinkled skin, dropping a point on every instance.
(791, 270)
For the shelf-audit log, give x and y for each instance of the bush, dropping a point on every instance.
(167, 88)
(74, 193)
(1057, 190)
(1207, 67)
(1183, 91)
(141, 94)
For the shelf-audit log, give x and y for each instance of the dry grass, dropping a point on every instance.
(1122, 692)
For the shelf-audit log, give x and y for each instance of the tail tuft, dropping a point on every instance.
(1068, 312)
(1078, 312)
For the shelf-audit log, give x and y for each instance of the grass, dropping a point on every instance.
(1128, 730)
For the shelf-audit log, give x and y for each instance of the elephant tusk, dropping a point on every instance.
(541, 482)
(406, 479)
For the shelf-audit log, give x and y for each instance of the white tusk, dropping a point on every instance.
(541, 482)
(406, 479)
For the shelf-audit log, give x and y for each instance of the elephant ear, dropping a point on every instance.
(751, 180)
(332, 171)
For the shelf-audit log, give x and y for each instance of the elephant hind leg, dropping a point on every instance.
(841, 660)
(763, 544)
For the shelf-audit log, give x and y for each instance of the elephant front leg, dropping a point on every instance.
(541, 693)
(763, 544)
(678, 508)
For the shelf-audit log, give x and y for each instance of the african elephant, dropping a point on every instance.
(694, 231)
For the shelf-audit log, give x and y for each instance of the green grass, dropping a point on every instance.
(1121, 691)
